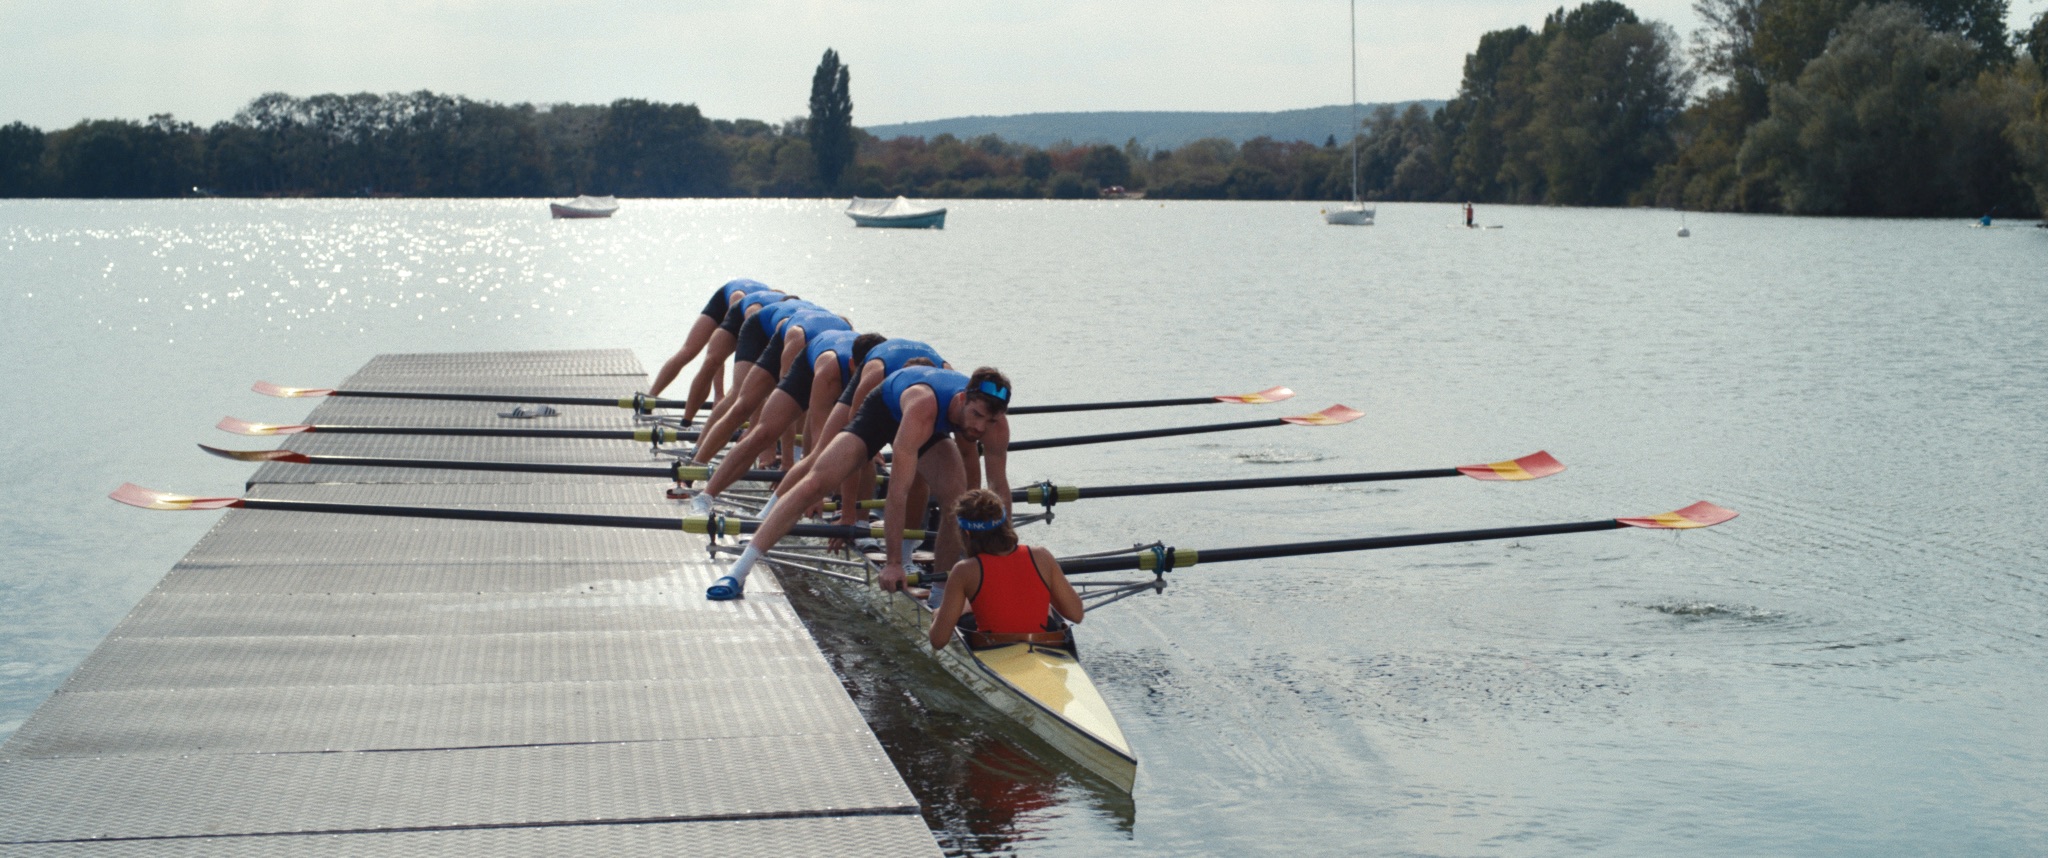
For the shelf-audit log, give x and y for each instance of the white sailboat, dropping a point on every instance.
(1357, 213)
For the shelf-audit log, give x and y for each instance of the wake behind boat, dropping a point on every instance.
(585, 206)
(899, 213)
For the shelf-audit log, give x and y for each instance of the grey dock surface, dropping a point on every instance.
(309, 684)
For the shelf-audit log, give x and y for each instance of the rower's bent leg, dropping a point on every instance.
(844, 454)
(755, 386)
(700, 333)
(942, 468)
(781, 410)
(713, 368)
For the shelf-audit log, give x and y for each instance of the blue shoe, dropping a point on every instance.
(725, 589)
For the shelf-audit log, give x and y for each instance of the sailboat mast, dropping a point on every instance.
(1354, 101)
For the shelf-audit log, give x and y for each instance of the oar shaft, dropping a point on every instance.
(640, 522)
(610, 402)
(483, 432)
(1080, 492)
(509, 467)
(1112, 406)
(1042, 443)
(1296, 549)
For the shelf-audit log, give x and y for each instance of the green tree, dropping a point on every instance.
(830, 127)
(1107, 165)
(1881, 123)
(660, 150)
(21, 160)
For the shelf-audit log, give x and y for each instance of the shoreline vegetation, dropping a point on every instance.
(1927, 108)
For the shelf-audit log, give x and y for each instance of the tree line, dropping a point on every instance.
(1910, 107)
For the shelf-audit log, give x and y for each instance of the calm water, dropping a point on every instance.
(1856, 666)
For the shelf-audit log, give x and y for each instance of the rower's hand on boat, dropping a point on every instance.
(892, 576)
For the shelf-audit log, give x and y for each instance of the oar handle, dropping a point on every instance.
(1145, 560)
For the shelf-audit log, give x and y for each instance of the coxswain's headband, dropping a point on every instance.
(1001, 393)
(982, 525)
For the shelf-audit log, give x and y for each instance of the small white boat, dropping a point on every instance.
(584, 207)
(898, 213)
(1357, 213)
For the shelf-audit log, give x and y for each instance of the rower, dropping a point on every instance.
(701, 331)
(1012, 588)
(806, 389)
(788, 326)
(752, 339)
(910, 413)
(724, 342)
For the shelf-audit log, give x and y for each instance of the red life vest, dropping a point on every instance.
(1012, 598)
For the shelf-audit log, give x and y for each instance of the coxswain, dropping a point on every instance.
(913, 411)
(701, 330)
(1012, 589)
(806, 390)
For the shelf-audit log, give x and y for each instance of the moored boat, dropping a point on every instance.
(899, 213)
(585, 206)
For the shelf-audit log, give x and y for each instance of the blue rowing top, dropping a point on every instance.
(895, 353)
(839, 343)
(945, 384)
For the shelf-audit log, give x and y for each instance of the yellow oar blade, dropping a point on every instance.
(1534, 466)
(1701, 514)
(279, 390)
(1332, 416)
(1270, 394)
(249, 427)
(134, 495)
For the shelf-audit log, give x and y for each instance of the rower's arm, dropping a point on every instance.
(966, 575)
(1064, 599)
(995, 451)
(920, 413)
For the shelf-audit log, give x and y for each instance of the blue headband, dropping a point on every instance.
(1002, 394)
(982, 526)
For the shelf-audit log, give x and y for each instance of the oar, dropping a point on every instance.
(1701, 514)
(1534, 466)
(679, 471)
(134, 495)
(651, 434)
(639, 402)
(1331, 416)
(1270, 394)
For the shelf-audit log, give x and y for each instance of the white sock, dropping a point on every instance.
(770, 505)
(910, 545)
(745, 564)
(701, 503)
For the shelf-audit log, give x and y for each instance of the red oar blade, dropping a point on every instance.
(1270, 394)
(134, 495)
(250, 427)
(258, 455)
(1335, 415)
(1534, 466)
(1701, 514)
(279, 390)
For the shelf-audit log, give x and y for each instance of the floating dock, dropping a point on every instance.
(309, 684)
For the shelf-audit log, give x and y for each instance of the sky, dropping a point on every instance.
(201, 60)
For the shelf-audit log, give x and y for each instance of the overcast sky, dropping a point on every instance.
(911, 59)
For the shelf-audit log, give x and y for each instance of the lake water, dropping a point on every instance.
(1858, 665)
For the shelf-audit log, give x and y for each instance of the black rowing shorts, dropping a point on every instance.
(797, 383)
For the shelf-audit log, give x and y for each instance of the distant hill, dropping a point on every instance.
(1154, 129)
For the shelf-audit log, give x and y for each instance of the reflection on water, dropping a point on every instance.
(985, 784)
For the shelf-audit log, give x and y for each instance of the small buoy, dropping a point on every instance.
(1684, 233)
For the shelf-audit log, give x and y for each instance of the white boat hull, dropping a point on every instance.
(1349, 216)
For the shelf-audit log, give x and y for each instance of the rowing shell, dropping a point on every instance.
(1041, 687)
